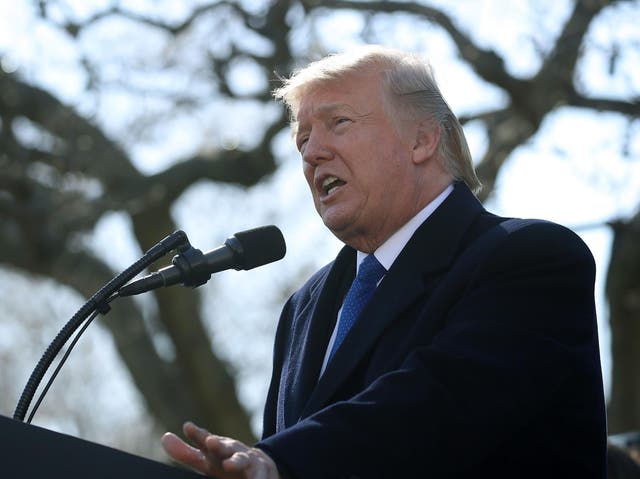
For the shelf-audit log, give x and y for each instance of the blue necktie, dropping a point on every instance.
(362, 288)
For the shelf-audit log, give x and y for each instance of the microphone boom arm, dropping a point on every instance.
(98, 302)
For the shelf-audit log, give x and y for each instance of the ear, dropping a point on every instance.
(427, 141)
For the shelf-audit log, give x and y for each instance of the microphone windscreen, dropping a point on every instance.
(261, 246)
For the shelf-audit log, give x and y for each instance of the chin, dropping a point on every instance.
(342, 231)
(334, 220)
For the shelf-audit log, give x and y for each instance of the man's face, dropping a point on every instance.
(358, 166)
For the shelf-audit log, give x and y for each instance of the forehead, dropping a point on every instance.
(356, 92)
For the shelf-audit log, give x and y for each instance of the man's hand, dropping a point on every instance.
(218, 456)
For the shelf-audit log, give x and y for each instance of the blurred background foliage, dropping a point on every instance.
(121, 121)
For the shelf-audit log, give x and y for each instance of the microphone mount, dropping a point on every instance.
(194, 266)
(190, 268)
(191, 263)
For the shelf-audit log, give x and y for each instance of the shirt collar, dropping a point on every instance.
(388, 251)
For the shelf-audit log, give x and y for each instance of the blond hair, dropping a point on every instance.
(412, 89)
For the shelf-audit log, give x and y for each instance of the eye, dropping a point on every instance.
(341, 120)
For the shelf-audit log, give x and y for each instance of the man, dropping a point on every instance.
(476, 354)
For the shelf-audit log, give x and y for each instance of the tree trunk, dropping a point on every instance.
(623, 293)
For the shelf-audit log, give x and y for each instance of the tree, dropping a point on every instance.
(66, 163)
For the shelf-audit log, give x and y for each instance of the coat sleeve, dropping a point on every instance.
(517, 357)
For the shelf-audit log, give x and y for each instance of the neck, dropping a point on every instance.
(370, 241)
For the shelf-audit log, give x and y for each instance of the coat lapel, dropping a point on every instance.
(312, 335)
(431, 250)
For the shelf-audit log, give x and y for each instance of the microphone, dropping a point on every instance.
(242, 251)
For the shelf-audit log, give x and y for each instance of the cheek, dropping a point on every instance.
(307, 170)
(308, 176)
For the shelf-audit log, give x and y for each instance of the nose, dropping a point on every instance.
(316, 149)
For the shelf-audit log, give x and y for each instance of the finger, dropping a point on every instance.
(236, 463)
(259, 472)
(183, 452)
(197, 459)
(223, 447)
(252, 463)
(196, 434)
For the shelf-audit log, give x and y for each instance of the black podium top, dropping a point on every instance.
(29, 451)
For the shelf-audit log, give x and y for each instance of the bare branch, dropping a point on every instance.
(486, 63)
(74, 28)
(41, 107)
(630, 108)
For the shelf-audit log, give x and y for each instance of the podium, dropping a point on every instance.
(29, 451)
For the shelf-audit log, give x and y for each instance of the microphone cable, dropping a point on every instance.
(63, 359)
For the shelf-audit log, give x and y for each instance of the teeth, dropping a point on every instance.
(329, 183)
(328, 180)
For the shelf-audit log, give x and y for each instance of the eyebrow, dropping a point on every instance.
(327, 108)
(334, 106)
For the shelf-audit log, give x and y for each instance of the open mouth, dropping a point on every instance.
(330, 183)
